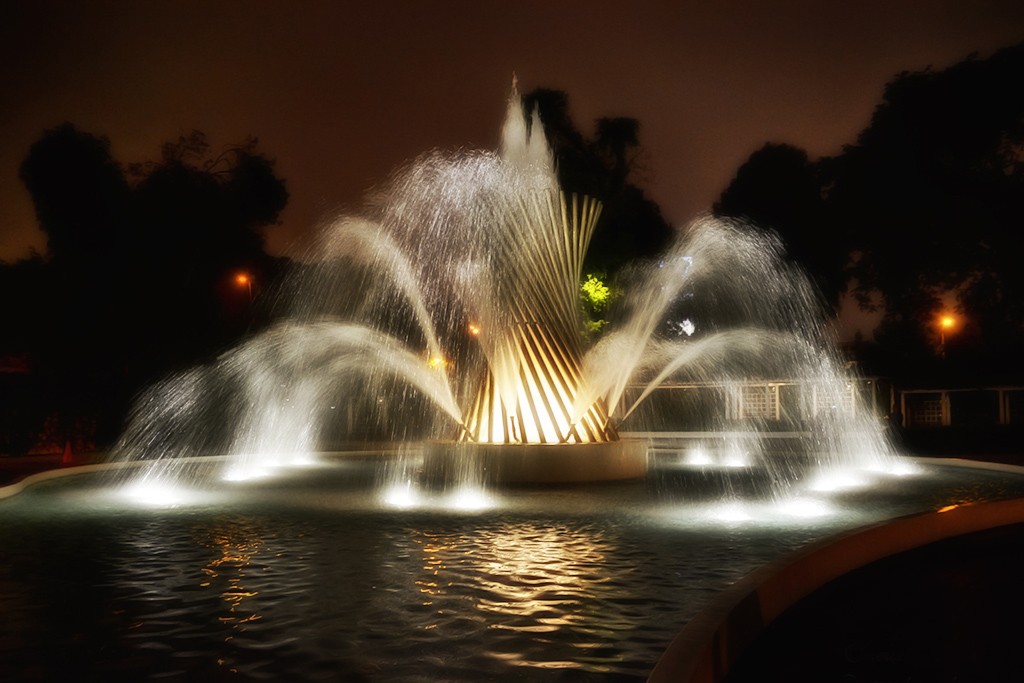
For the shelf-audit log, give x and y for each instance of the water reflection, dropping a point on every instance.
(529, 584)
(195, 594)
(235, 547)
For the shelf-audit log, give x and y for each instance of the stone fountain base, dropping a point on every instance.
(521, 464)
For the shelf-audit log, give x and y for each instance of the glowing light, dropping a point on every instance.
(299, 460)
(683, 327)
(947, 321)
(401, 495)
(531, 389)
(730, 512)
(948, 508)
(437, 362)
(736, 458)
(474, 329)
(838, 480)
(157, 493)
(896, 468)
(246, 472)
(698, 457)
(470, 499)
(243, 280)
(806, 508)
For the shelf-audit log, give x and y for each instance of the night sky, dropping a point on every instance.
(342, 92)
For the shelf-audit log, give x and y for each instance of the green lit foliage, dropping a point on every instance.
(595, 292)
(595, 297)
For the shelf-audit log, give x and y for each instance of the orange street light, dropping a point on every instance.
(474, 329)
(947, 323)
(243, 280)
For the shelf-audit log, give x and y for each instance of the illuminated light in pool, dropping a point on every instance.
(736, 458)
(402, 496)
(698, 457)
(301, 460)
(730, 512)
(839, 480)
(246, 473)
(470, 499)
(898, 468)
(807, 508)
(157, 493)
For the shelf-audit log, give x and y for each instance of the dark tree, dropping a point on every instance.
(617, 143)
(932, 196)
(631, 225)
(778, 188)
(139, 273)
(23, 401)
(197, 223)
(80, 193)
(82, 202)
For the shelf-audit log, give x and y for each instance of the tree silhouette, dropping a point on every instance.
(927, 202)
(932, 195)
(778, 188)
(631, 225)
(140, 266)
(23, 409)
(79, 191)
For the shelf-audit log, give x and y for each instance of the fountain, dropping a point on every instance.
(468, 268)
(426, 472)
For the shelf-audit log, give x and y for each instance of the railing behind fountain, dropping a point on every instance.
(674, 442)
(764, 406)
(957, 407)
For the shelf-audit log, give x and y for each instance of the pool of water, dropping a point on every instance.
(342, 571)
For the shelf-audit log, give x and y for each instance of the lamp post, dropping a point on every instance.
(243, 280)
(947, 321)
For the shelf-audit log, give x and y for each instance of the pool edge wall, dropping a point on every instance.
(711, 643)
(539, 464)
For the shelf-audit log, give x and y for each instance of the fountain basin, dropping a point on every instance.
(524, 464)
(318, 573)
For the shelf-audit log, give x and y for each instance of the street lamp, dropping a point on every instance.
(947, 322)
(243, 280)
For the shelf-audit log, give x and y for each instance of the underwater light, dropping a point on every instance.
(807, 508)
(470, 499)
(402, 495)
(157, 493)
(246, 472)
(697, 457)
(730, 512)
(839, 480)
(897, 467)
(736, 458)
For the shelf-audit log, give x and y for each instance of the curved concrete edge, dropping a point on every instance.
(708, 646)
(57, 473)
(48, 475)
(542, 464)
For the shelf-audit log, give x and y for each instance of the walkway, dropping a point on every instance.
(951, 611)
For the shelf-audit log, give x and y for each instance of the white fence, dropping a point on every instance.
(698, 406)
(980, 406)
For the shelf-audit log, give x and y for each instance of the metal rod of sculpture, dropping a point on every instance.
(530, 387)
